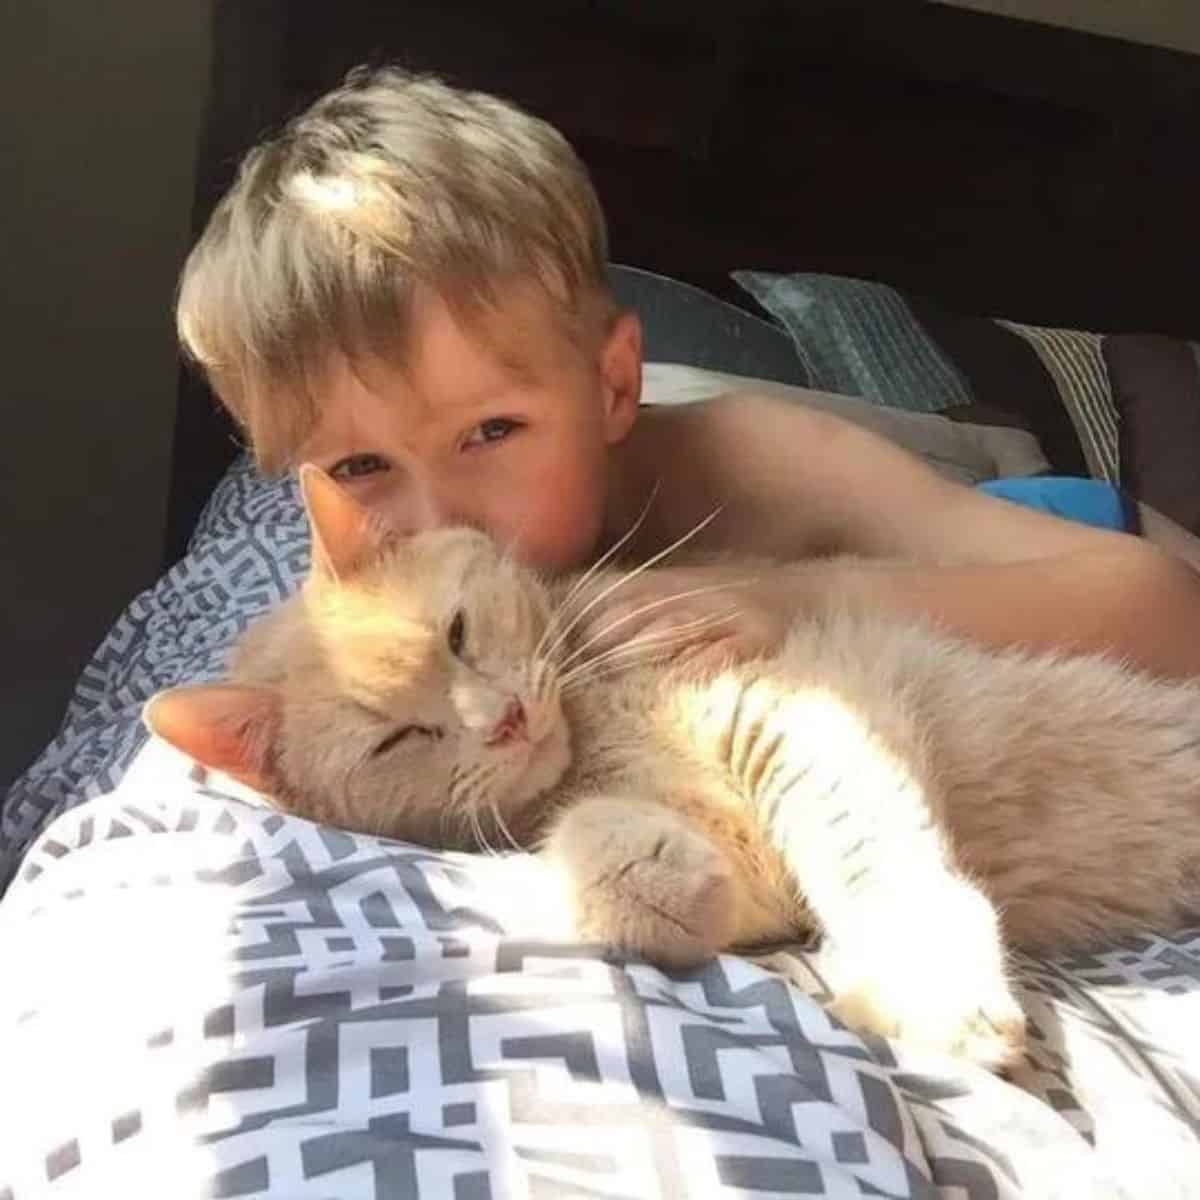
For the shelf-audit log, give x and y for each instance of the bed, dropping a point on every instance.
(209, 997)
(203, 996)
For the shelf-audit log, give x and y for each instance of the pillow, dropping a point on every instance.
(682, 323)
(1156, 383)
(966, 452)
(869, 340)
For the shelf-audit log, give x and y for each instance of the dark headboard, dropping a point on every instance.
(1002, 167)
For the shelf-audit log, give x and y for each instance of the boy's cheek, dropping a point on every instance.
(556, 540)
(558, 523)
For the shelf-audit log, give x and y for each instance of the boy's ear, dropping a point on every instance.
(621, 375)
(345, 535)
(223, 726)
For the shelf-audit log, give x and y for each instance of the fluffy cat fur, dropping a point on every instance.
(920, 802)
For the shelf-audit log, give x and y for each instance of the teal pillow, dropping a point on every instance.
(859, 339)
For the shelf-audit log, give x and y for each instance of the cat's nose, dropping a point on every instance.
(511, 726)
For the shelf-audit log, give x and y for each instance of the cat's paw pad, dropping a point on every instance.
(644, 881)
(671, 901)
(988, 1030)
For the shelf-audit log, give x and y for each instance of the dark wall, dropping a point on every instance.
(101, 110)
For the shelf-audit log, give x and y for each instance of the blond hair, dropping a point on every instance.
(390, 184)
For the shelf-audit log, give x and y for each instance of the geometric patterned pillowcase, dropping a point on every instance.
(249, 551)
(870, 340)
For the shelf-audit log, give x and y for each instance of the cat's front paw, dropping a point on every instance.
(934, 978)
(643, 882)
(988, 1030)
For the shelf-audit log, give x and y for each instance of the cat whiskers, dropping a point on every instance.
(470, 799)
(481, 839)
(629, 576)
(459, 808)
(540, 649)
(454, 822)
(639, 650)
(599, 635)
(544, 681)
(502, 827)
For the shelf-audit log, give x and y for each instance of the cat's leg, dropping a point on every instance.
(928, 969)
(914, 947)
(642, 880)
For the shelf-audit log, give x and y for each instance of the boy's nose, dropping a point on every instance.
(431, 507)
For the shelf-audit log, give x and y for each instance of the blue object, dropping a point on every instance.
(1091, 501)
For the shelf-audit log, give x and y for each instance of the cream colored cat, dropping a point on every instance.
(918, 801)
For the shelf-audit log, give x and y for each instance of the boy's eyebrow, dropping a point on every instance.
(485, 397)
(488, 393)
(321, 443)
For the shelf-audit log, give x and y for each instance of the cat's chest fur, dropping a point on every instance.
(724, 735)
(647, 731)
(699, 745)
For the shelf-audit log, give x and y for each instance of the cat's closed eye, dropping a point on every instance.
(393, 739)
(456, 634)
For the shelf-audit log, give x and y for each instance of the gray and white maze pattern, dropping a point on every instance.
(355, 1024)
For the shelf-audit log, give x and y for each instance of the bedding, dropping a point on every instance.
(205, 997)
(864, 338)
(685, 324)
(1090, 501)
(215, 999)
(1121, 407)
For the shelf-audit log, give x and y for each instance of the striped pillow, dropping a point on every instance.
(869, 340)
(1076, 364)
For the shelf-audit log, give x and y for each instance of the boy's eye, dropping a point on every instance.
(494, 429)
(356, 466)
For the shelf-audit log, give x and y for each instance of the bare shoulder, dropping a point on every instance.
(800, 481)
(765, 462)
(737, 430)
(744, 417)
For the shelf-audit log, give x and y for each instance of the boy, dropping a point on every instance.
(407, 287)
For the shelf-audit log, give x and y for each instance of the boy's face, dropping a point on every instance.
(463, 435)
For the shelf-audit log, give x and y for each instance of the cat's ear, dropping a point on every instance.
(223, 726)
(345, 535)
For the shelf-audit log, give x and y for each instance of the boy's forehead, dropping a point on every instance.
(521, 330)
(516, 335)
(448, 360)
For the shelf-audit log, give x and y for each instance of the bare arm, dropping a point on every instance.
(814, 477)
(1167, 535)
(1135, 603)
(799, 482)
